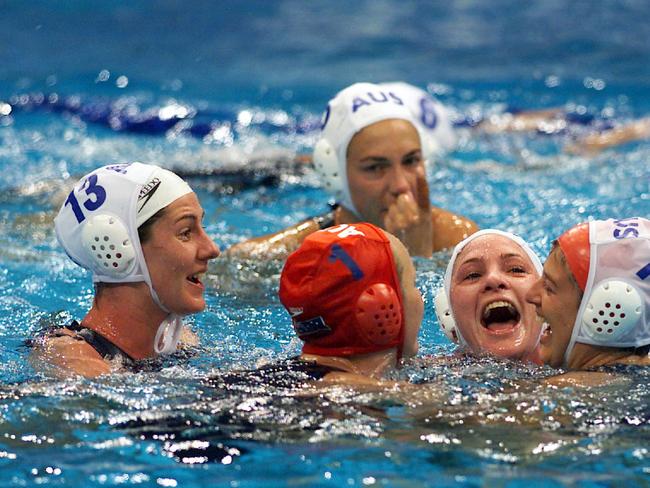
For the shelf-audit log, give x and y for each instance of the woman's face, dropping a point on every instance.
(177, 255)
(489, 282)
(383, 161)
(557, 300)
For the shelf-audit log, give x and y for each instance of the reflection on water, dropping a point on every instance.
(470, 417)
(453, 420)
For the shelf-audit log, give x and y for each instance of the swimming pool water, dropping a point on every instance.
(477, 422)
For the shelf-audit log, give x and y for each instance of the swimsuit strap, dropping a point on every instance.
(328, 219)
(105, 348)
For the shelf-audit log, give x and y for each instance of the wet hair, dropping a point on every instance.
(144, 231)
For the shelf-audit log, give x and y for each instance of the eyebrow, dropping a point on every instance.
(468, 261)
(381, 159)
(374, 159)
(512, 255)
(502, 256)
(190, 216)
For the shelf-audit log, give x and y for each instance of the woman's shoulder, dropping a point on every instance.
(62, 352)
(449, 228)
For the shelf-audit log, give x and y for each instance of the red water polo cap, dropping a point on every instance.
(343, 293)
(575, 246)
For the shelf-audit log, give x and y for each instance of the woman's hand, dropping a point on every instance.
(409, 219)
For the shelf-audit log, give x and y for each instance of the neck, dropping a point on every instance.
(586, 356)
(372, 365)
(343, 215)
(126, 315)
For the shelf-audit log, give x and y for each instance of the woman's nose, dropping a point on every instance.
(495, 279)
(399, 182)
(209, 249)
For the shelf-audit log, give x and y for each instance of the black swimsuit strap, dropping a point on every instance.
(99, 343)
(328, 219)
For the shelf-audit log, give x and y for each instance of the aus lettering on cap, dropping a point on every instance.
(374, 97)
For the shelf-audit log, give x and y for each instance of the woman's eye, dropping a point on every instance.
(412, 160)
(472, 276)
(375, 168)
(185, 234)
(518, 270)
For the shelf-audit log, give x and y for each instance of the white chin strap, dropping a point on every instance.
(168, 335)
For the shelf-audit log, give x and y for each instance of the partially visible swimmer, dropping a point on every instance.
(595, 296)
(482, 304)
(371, 157)
(590, 144)
(351, 294)
(137, 228)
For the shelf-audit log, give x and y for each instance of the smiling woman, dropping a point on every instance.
(137, 228)
(482, 304)
(595, 295)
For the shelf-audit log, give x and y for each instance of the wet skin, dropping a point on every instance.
(490, 279)
(177, 254)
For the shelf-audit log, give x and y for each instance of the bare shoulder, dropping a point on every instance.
(584, 379)
(66, 355)
(357, 381)
(277, 245)
(450, 228)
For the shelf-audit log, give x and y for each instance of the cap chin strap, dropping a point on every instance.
(109, 247)
(168, 334)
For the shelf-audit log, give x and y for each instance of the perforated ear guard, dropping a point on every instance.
(379, 314)
(445, 317)
(106, 241)
(614, 308)
(327, 165)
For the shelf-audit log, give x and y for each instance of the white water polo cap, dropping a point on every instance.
(433, 117)
(443, 297)
(351, 110)
(613, 269)
(98, 224)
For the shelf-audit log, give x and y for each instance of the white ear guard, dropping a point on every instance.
(98, 227)
(445, 317)
(327, 165)
(351, 110)
(615, 307)
(108, 246)
(612, 311)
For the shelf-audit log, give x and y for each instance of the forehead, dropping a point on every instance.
(387, 131)
(184, 204)
(554, 266)
(490, 247)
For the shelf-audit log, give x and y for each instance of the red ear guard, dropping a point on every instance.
(342, 290)
(379, 315)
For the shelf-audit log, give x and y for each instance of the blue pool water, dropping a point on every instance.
(475, 422)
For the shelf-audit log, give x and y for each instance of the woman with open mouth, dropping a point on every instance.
(594, 295)
(137, 228)
(482, 304)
